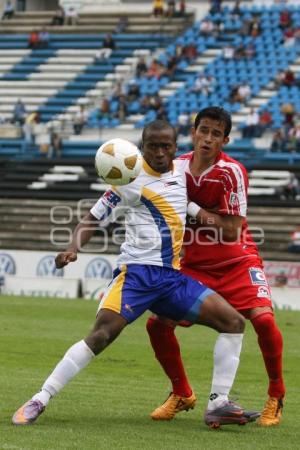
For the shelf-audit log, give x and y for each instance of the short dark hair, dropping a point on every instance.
(158, 125)
(215, 113)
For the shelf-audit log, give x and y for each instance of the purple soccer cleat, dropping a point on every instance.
(28, 413)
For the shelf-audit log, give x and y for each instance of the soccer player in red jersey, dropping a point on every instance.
(220, 252)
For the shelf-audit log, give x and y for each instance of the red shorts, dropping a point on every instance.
(243, 284)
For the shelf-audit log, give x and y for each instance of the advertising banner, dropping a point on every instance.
(283, 273)
(40, 287)
(42, 264)
(93, 289)
(286, 298)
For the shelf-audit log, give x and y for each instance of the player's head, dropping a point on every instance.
(159, 145)
(211, 131)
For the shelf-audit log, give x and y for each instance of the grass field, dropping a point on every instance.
(107, 405)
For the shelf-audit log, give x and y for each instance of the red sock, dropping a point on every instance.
(167, 352)
(271, 345)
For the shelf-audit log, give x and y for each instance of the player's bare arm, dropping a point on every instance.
(231, 226)
(81, 236)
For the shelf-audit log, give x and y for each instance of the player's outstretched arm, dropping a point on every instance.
(229, 225)
(81, 236)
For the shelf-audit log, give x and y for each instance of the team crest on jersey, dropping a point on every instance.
(111, 199)
(233, 199)
(262, 291)
(257, 276)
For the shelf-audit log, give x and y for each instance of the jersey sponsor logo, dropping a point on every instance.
(257, 276)
(111, 199)
(7, 264)
(170, 183)
(98, 268)
(46, 267)
(233, 199)
(263, 291)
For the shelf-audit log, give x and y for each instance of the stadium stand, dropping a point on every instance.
(57, 80)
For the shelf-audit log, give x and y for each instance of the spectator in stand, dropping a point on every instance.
(141, 67)
(59, 16)
(104, 110)
(161, 113)
(55, 144)
(189, 52)
(239, 51)
(203, 84)
(118, 90)
(156, 70)
(108, 46)
(29, 127)
(244, 92)
(122, 24)
(265, 120)
(206, 28)
(8, 10)
(171, 66)
(19, 113)
(289, 37)
(44, 38)
(183, 124)
(288, 111)
(2, 119)
(289, 78)
(228, 52)
(294, 246)
(158, 8)
(133, 91)
(297, 36)
(182, 8)
(145, 104)
(71, 16)
(285, 19)
(278, 143)
(80, 120)
(293, 141)
(34, 40)
(122, 108)
(156, 102)
(218, 28)
(254, 28)
(292, 189)
(215, 7)
(236, 10)
(42, 138)
(250, 129)
(233, 96)
(171, 8)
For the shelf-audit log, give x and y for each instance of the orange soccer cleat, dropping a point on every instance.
(272, 412)
(173, 405)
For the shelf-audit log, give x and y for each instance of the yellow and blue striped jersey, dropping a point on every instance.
(154, 206)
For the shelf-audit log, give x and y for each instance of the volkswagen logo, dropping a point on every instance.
(46, 267)
(7, 264)
(98, 268)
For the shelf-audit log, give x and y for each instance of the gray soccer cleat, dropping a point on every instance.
(229, 414)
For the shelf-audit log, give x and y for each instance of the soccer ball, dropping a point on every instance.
(118, 162)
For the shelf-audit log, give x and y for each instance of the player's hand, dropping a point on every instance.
(64, 258)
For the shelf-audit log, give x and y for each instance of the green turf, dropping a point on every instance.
(107, 406)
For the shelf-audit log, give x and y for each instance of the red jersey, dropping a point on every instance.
(223, 189)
